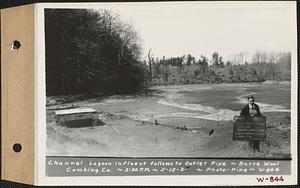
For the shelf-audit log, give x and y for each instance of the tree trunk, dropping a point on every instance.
(150, 64)
(62, 61)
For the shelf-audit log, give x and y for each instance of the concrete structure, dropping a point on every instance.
(77, 117)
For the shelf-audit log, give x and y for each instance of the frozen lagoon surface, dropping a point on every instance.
(223, 101)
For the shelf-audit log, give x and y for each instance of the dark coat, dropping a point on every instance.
(245, 110)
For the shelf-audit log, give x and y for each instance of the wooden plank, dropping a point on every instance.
(249, 128)
(75, 111)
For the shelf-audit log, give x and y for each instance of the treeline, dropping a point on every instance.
(187, 70)
(90, 51)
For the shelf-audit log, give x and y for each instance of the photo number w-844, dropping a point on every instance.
(270, 179)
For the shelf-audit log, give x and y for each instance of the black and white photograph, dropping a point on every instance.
(169, 80)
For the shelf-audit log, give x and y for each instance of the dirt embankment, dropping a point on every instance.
(120, 135)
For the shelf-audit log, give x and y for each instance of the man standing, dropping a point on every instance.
(252, 110)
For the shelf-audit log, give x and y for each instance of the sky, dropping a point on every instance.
(175, 29)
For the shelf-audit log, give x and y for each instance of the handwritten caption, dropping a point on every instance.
(59, 166)
(275, 179)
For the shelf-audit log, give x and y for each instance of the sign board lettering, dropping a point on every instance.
(247, 128)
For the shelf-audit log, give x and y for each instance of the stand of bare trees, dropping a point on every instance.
(264, 66)
(89, 51)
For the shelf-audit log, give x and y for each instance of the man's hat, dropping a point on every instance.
(251, 97)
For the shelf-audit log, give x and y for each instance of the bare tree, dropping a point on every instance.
(109, 19)
(150, 62)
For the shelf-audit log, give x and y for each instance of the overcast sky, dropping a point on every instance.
(174, 29)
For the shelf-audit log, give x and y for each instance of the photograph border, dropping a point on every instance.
(40, 121)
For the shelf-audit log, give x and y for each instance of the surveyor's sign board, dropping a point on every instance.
(247, 128)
